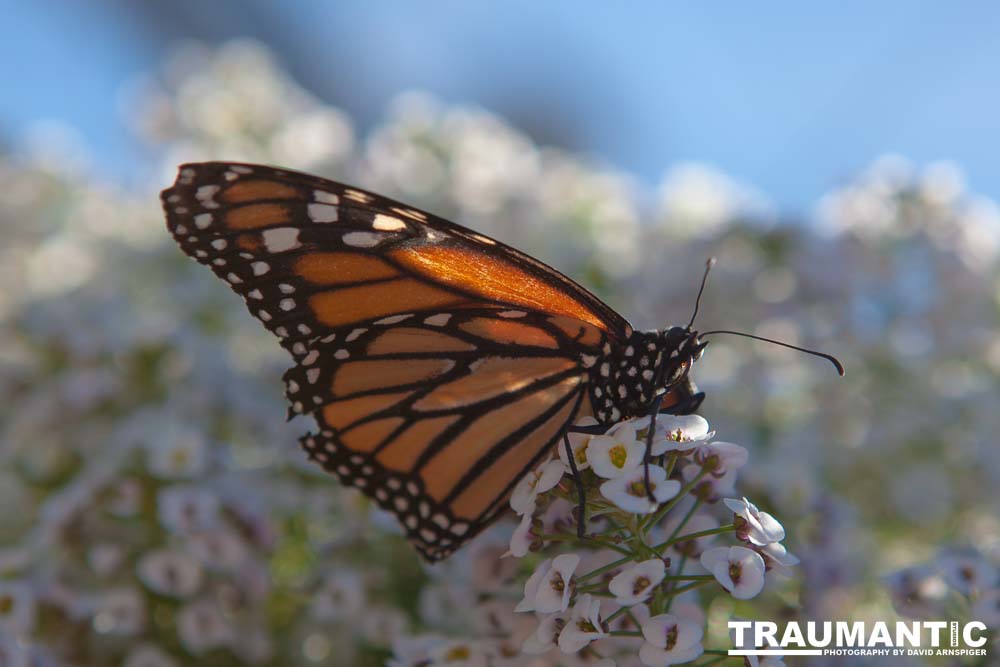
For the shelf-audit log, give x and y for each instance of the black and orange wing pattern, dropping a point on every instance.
(440, 364)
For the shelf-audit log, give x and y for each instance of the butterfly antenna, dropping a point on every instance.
(697, 302)
(829, 357)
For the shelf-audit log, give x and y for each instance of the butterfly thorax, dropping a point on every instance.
(628, 378)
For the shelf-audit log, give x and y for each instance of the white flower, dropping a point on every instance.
(778, 559)
(187, 509)
(583, 627)
(148, 655)
(700, 521)
(522, 501)
(340, 596)
(670, 640)
(413, 651)
(17, 608)
(578, 442)
(761, 528)
(220, 549)
(729, 456)
(458, 654)
(629, 491)
(615, 453)
(178, 453)
(202, 626)
(522, 539)
(674, 432)
(121, 612)
(967, 573)
(380, 625)
(170, 572)
(548, 588)
(739, 570)
(712, 485)
(544, 638)
(486, 568)
(634, 585)
(917, 592)
(754, 660)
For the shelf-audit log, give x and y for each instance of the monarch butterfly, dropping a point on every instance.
(440, 364)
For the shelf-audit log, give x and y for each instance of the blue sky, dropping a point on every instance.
(790, 98)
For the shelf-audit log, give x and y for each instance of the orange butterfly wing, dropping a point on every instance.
(441, 365)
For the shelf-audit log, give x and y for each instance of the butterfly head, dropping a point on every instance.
(681, 348)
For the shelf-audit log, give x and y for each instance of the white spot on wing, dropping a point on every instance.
(387, 223)
(363, 239)
(206, 194)
(324, 197)
(202, 220)
(357, 196)
(281, 239)
(354, 334)
(410, 213)
(322, 212)
(287, 304)
(312, 375)
(220, 244)
(260, 268)
(438, 320)
(240, 169)
(341, 354)
(394, 319)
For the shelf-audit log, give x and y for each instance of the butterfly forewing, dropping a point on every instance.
(440, 364)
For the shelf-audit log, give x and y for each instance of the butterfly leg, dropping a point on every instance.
(649, 451)
(581, 509)
(593, 429)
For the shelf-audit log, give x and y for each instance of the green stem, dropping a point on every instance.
(686, 489)
(683, 589)
(660, 548)
(687, 517)
(604, 568)
(619, 612)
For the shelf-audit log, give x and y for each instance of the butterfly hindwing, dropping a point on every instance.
(436, 419)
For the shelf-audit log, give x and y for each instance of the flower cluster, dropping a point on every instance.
(647, 548)
(958, 584)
